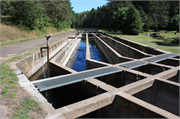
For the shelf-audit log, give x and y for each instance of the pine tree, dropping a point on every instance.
(119, 19)
(158, 14)
(174, 22)
(134, 23)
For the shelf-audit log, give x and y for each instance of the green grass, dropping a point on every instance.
(30, 104)
(13, 95)
(169, 34)
(26, 106)
(6, 89)
(165, 33)
(149, 41)
(75, 30)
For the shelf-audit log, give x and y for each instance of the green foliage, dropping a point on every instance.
(175, 41)
(13, 95)
(6, 89)
(60, 13)
(30, 104)
(26, 106)
(128, 20)
(4, 72)
(5, 7)
(7, 76)
(120, 18)
(158, 14)
(5, 81)
(21, 114)
(174, 8)
(100, 17)
(134, 22)
(174, 22)
(29, 15)
(37, 15)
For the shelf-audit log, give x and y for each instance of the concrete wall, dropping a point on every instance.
(124, 49)
(163, 95)
(56, 69)
(120, 79)
(91, 64)
(151, 69)
(62, 55)
(171, 62)
(111, 55)
(139, 46)
(33, 63)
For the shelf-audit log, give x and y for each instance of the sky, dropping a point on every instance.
(86, 5)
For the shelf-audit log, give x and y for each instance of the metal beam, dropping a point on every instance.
(161, 57)
(74, 78)
(134, 64)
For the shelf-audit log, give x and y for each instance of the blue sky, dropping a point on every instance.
(84, 5)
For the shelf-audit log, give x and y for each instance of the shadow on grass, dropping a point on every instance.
(111, 32)
(165, 43)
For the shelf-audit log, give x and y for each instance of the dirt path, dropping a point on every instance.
(20, 48)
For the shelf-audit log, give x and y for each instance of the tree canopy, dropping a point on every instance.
(130, 16)
(152, 14)
(39, 14)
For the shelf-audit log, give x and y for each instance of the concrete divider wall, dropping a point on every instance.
(91, 64)
(61, 57)
(88, 54)
(126, 107)
(163, 95)
(108, 53)
(111, 55)
(55, 70)
(124, 49)
(171, 62)
(139, 46)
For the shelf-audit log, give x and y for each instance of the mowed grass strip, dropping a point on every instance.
(149, 41)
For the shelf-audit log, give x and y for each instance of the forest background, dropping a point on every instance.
(130, 17)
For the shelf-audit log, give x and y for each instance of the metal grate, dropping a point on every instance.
(73, 78)
(162, 57)
(134, 64)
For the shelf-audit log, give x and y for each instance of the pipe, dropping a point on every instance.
(48, 69)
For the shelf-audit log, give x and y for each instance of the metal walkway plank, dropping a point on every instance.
(73, 78)
(161, 57)
(134, 64)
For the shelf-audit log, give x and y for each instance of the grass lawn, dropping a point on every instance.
(150, 41)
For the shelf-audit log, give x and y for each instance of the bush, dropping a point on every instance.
(174, 22)
(175, 41)
(134, 21)
(29, 15)
(128, 20)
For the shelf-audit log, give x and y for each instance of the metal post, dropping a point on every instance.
(47, 59)
(48, 69)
